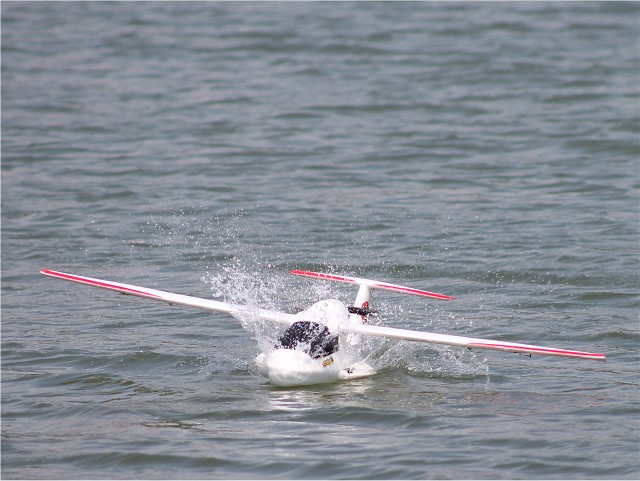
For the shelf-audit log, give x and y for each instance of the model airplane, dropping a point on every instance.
(318, 343)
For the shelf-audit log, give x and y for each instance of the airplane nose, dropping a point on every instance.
(288, 367)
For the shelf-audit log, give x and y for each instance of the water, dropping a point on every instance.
(487, 151)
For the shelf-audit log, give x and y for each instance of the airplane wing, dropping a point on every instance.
(469, 342)
(170, 297)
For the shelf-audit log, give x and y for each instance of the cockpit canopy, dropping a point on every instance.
(310, 337)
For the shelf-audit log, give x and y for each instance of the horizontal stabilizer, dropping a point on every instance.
(372, 284)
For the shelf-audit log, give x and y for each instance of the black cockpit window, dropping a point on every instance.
(310, 337)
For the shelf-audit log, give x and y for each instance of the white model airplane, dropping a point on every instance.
(318, 344)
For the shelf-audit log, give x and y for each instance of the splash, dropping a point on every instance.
(253, 287)
(259, 285)
(241, 267)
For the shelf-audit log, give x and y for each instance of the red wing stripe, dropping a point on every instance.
(418, 292)
(545, 350)
(320, 275)
(105, 285)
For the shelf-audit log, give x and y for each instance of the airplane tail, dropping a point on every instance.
(371, 284)
(363, 298)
